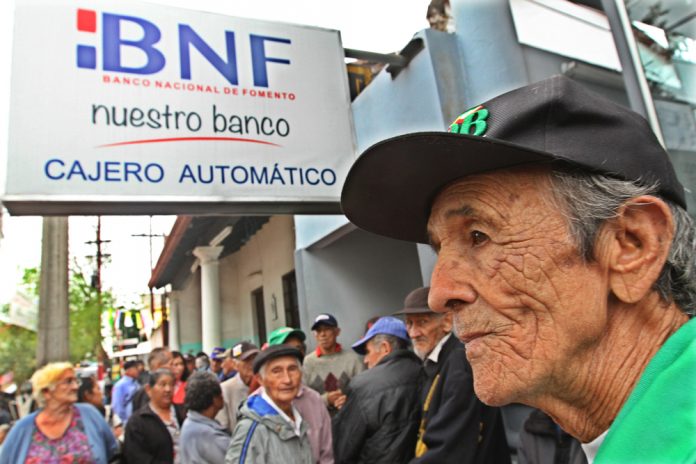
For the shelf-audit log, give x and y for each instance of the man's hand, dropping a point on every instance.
(333, 396)
(340, 401)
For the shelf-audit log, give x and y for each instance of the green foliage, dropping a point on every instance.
(85, 316)
(18, 345)
(17, 351)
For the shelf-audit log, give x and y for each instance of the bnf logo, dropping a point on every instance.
(155, 60)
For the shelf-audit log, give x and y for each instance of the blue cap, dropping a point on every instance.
(384, 326)
(217, 353)
(324, 319)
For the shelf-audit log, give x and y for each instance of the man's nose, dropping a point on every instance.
(414, 332)
(450, 285)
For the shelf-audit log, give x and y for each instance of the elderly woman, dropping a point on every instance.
(203, 439)
(62, 427)
(152, 432)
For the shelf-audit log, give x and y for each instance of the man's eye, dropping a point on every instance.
(478, 237)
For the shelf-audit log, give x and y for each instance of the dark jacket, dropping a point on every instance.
(379, 422)
(544, 442)
(458, 426)
(140, 398)
(147, 439)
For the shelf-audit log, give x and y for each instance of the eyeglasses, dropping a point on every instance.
(69, 381)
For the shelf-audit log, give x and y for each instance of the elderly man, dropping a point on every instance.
(236, 389)
(566, 256)
(270, 429)
(216, 359)
(455, 426)
(203, 440)
(308, 402)
(329, 368)
(379, 421)
(289, 336)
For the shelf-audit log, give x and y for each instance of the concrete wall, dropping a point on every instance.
(261, 262)
(357, 277)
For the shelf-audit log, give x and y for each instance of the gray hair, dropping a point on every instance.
(589, 200)
(201, 389)
(262, 369)
(396, 343)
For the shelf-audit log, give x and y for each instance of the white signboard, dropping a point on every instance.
(130, 108)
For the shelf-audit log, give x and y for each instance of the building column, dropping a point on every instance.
(211, 321)
(54, 315)
(174, 312)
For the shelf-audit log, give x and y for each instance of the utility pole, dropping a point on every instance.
(97, 281)
(149, 235)
(54, 316)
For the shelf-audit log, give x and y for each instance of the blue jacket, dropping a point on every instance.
(203, 440)
(101, 438)
(122, 397)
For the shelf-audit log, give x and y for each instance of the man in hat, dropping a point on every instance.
(288, 336)
(308, 402)
(270, 429)
(216, 359)
(227, 367)
(455, 426)
(124, 390)
(379, 421)
(236, 389)
(329, 368)
(565, 254)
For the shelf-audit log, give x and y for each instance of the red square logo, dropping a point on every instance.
(87, 20)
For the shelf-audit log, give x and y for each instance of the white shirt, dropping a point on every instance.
(435, 354)
(295, 424)
(592, 447)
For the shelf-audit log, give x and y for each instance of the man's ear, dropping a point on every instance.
(447, 321)
(385, 347)
(635, 246)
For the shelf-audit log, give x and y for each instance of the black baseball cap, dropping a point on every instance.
(273, 352)
(324, 319)
(390, 188)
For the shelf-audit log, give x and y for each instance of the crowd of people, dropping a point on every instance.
(590, 322)
(401, 393)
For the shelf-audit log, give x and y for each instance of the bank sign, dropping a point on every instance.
(125, 107)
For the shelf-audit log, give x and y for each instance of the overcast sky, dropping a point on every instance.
(375, 25)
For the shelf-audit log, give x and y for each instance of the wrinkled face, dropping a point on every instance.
(245, 369)
(177, 367)
(426, 330)
(64, 390)
(374, 353)
(523, 301)
(326, 336)
(161, 393)
(281, 380)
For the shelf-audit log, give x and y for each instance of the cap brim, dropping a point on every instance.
(248, 354)
(320, 323)
(359, 346)
(414, 311)
(390, 188)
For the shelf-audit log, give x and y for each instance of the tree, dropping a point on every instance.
(18, 345)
